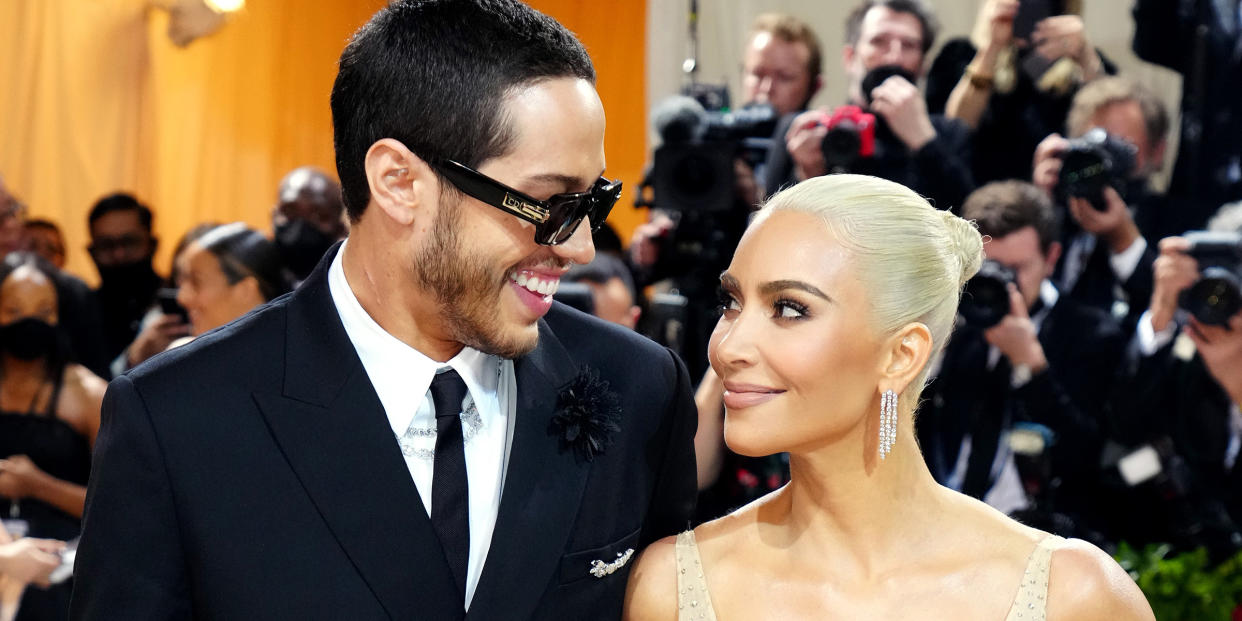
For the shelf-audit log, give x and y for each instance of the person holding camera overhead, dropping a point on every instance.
(886, 130)
(1027, 357)
(1012, 80)
(1100, 175)
(1186, 361)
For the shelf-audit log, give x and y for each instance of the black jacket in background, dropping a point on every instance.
(1172, 401)
(1199, 40)
(940, 170)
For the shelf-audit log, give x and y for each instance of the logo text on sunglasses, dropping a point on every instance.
(521, 206)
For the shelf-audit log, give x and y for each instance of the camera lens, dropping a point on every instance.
(841, 145)
(985, 301)
(1215, 297)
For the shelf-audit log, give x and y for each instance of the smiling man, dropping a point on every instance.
(418, 431)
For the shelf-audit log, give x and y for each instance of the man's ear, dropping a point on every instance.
(1157, 156)
(399, 180)
(906, 354)
(1051, 257)
(847, 56)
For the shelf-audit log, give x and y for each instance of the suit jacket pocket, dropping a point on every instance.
(613, 558)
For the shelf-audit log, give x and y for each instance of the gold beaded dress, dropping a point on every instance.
(694, 603)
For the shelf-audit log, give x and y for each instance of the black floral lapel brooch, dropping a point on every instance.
(587, 414)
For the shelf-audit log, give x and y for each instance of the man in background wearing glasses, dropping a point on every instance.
(418, 432)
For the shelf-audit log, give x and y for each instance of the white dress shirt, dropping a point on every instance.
(402, 376)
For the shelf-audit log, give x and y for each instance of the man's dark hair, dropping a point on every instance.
(433, 74)
(1003, 207)
(242, 252)
(917, 8)
(120, 202)
(603, 268)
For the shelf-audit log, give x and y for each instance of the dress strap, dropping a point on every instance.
(693, 601)
(1032, 598)
(57, 383)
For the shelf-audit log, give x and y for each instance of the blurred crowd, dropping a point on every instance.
(1092, 387)
(61, 341)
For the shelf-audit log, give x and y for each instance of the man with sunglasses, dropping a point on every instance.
(419, 431)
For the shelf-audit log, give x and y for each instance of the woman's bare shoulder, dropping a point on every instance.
(82, 394)
(78, 377)
(651, 594)
(1086, 583)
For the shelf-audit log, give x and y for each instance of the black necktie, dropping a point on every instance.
(449, 500)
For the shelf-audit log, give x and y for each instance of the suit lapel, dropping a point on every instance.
(542, 492)
(331, 427)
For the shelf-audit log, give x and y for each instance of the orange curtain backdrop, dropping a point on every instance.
(97, 99)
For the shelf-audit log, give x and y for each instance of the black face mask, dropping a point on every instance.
(301, 245)
(137, 275)
(29, 338)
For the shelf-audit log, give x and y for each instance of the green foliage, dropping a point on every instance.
(1184, 587)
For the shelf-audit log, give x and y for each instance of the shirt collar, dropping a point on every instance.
(399, 372)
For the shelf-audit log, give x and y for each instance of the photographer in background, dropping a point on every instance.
(1104, 187)
(706, 180)
(308, 218)
(1186, 364)
(1033, 357)
(611, 287)
(893, 136)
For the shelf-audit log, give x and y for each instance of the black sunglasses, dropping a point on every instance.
(555, 219)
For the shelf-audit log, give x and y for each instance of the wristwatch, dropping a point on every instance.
(978, 80)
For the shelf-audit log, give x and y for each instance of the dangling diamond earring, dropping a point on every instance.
(888, 422)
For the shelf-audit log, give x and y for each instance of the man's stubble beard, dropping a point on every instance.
(466, 288)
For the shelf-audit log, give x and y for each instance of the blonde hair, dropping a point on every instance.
(912, 258)
(1110, 90)
(790, 29)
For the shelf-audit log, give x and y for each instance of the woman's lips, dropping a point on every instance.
(739, 396)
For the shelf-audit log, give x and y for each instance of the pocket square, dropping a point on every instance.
(599, 569)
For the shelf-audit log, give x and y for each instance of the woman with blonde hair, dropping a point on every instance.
(840, 292)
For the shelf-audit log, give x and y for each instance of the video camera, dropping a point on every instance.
(1217, 295)
(1092, 162)
(985, 301)
(693, 167)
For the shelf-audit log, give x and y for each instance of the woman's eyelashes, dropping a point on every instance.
(783, 308)
(786, 308)
(726, 302)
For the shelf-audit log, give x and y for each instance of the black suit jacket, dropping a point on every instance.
(253, 475)
(1098, 285)
(1176, 405)
(1083, 347)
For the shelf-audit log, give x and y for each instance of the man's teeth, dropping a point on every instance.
(534, 284)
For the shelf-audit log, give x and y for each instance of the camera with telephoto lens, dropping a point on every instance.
(1217, 295)
(985, 301)
(1092, 162)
